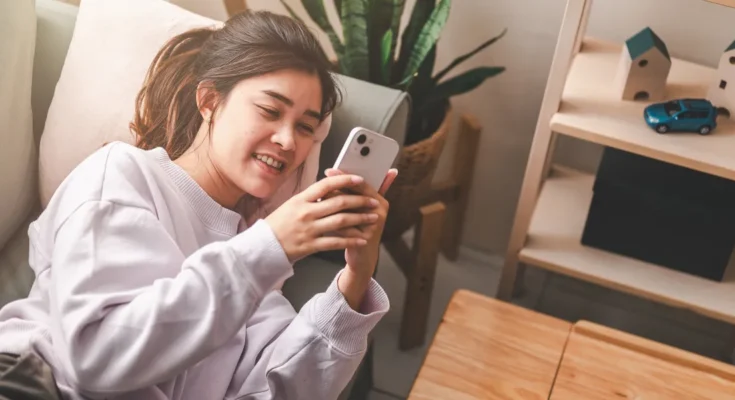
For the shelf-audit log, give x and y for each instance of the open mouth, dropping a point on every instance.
(270, 162)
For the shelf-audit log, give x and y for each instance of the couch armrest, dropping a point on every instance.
(54, 29)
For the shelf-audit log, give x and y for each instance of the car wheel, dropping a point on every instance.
(705, 130)
(662, 128)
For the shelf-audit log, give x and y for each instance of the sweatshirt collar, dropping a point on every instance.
(209, 211)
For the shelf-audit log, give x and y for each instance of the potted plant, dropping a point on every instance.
(369, 52)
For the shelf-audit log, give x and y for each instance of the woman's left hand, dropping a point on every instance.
(362, 261)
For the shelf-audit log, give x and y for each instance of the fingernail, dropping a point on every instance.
(361, 242)
(357, 179)
(374, 202)
(373, 217)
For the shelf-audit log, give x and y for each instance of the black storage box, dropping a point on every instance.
(662, 213)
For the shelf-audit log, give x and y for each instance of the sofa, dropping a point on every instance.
(374, 107)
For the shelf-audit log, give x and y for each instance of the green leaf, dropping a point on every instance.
(420, 82)
(406, 82)
(398, 7)
(338, 6)
(465, 57)
(315, 9)
(420, 14)
(292, 12)
(380, 18)
(354, 23)
(386, 15)
(428, 36)
(422, 85)
(385, 56)
(462, 83)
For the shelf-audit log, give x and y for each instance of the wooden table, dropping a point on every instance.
(488, 349)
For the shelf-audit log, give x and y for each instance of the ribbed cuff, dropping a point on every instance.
(18, 335)
(344, 327)
(262, 256)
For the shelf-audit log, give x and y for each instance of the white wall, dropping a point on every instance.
(508, 105)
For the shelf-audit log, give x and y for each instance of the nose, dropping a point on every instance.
(284, 138)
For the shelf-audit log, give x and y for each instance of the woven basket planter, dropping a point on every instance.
(416, 167)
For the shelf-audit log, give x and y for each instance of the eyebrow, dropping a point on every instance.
(290, 103)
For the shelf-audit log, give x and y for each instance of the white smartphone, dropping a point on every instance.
(367, 154)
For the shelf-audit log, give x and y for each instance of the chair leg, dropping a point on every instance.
(462, 174)
(420, 276)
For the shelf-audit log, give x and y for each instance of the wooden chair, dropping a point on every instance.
(439, 225)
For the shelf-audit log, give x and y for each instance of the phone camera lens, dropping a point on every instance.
(365, 151)
(361, 139)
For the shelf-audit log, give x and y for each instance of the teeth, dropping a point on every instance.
(270, 161)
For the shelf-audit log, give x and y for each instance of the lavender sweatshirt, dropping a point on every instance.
(144, 290)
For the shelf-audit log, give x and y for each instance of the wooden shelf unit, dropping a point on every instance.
(554, 243)
(554, 201)
(590, 111)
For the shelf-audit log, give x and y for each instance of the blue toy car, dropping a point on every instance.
(687, 115)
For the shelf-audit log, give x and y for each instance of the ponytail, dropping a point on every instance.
(166, 112)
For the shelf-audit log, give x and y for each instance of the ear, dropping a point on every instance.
(206, 99)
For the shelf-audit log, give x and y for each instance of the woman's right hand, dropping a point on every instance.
(302, 221)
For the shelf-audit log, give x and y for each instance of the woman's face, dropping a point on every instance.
(264, 130)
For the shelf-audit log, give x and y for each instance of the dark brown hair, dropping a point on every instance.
(248, 45)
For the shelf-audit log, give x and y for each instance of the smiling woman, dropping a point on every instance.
(257, 138)
(245, 82)
(152, 282)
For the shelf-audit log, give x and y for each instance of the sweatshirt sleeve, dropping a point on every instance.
(129, 310)
(316, 354)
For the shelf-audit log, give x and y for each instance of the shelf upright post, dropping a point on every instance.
(572, 32)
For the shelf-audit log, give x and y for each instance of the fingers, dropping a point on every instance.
(329, 243)
(340, 221)
(330, 195)
(390, 177)
(343, 202)
(332, 172)
(364, 188)
(330, 184)
(352, 232)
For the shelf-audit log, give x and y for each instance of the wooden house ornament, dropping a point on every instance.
(722, 91)
(643, 68)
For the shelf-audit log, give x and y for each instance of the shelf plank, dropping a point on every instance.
(554, 243)
(589, 110)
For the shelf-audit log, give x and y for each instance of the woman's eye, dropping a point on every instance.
(306, 128)
(270, 112)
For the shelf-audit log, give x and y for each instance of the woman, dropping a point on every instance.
(150, 286)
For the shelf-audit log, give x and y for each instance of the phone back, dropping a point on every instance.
(367, 154)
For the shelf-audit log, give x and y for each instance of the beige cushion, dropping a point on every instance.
(114, 42)
(17, 149)
(54, 27)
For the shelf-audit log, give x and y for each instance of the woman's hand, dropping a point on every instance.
(301, 223)
(362, 260)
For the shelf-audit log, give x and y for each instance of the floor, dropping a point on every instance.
(549, 293)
